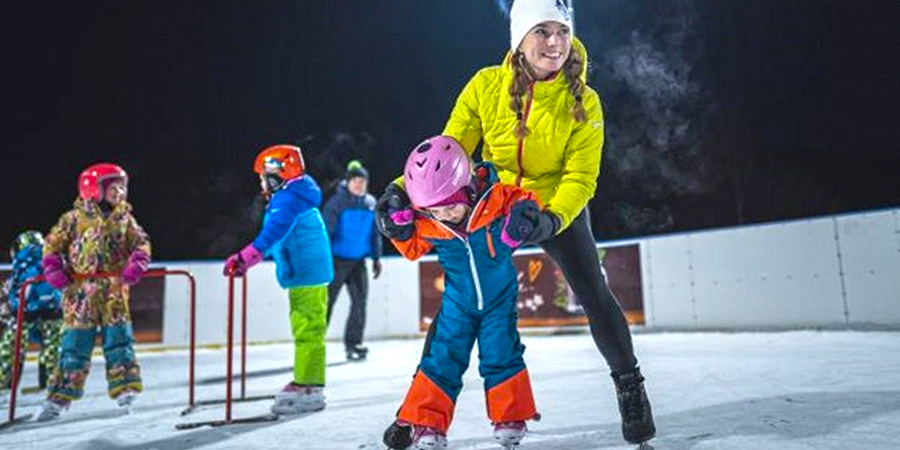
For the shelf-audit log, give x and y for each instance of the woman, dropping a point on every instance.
(542, 128)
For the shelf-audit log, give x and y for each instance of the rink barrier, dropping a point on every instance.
(229, 369)
(152, 273)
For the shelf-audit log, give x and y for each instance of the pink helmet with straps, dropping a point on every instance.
(435, 170)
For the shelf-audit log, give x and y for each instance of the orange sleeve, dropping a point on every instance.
(513, 194)
(414, 247)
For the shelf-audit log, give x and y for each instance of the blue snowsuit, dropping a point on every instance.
(478, 303)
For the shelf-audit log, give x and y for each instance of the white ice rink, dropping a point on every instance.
(791, 390)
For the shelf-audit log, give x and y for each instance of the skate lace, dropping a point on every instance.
(517, 425)
(420, 432)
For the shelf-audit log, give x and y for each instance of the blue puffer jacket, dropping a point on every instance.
(294, 235)
(351, 225)
(41, 297)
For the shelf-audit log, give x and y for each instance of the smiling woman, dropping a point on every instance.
(542, 128)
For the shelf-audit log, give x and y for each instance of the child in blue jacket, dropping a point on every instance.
(43, 313)
(474, 224)
(294, 235)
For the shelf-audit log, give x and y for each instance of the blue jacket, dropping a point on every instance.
(351, 225)
(40, 296)
(479, 271)
(294, 235)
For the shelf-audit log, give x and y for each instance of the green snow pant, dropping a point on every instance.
(309, 310)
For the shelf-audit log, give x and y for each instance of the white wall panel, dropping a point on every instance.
(870, 251)
(775, 275)
(667, 282)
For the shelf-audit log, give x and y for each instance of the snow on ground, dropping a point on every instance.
(789, 390)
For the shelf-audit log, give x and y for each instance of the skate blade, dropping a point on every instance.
(293, 410)
(221, 423)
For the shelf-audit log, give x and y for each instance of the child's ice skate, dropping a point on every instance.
(406, 436)
(126, 400)
(297, 399)
(52, 409)
(509, 434)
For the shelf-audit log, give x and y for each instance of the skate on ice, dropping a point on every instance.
(51, 410)
(297, 399)
(509, 434)
(126, 400)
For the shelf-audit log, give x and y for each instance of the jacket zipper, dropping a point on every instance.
(521, 144)
(471, 254)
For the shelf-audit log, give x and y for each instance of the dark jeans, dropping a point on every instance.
(575, 252)
(356, 277)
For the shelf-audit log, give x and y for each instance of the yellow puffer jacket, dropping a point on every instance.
(560, 158)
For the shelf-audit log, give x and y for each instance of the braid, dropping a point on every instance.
(572, 69)
(517, 90)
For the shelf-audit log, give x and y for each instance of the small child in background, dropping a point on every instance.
(474, 224)
(98, 235)
(43, 315)
(294, 234)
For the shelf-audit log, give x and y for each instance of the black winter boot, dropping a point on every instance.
(637, 418)
(357, 352)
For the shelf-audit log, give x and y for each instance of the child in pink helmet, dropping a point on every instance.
(474, 223)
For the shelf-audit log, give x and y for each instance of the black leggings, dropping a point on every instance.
(575, 252)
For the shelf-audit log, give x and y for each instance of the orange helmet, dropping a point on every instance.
(92, 180)
(285, 161)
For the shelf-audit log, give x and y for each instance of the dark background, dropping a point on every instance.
(718, 112)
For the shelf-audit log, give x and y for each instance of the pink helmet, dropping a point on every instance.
(435, 170)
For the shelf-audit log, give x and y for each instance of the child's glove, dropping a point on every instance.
(137, 266)
(394, 214)
(526, 222)
(55, 272)
(238, 263)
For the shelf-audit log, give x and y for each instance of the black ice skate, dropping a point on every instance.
(637, 418)
(406, 436)
(357, 353)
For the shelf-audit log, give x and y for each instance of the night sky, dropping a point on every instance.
(718, 112)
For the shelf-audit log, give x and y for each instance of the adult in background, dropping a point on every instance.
(542, 128)
(350, 218)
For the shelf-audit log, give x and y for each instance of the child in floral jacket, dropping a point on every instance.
(99, 235)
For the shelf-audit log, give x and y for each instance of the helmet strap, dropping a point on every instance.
(273, 182)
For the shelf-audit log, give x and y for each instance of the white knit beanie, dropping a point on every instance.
(525, 14)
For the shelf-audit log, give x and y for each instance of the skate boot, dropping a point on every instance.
(357, 353)
(126, 399)
(637, 418)
(406, 436)
(296, 399)
(52, 409)
(509, 434)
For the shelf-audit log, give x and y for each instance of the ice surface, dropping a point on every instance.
(791, 390)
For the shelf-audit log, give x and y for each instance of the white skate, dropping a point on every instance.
(297, 399)
(51, 410)
(509, 434)
(425, 438)
(126, 399)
